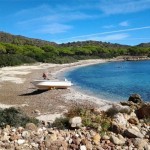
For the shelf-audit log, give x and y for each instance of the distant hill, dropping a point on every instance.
(21, 40)
(94, 43)
(144, 45)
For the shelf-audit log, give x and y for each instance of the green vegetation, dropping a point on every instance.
(61, 123)
(14, 117)
(90, 119)
(113, 111)
(16, 50)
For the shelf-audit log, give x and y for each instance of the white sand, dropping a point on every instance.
(49, 117)
(14, 74)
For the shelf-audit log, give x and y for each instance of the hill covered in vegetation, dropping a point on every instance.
(16, 49)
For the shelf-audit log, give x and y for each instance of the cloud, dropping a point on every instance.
(109, 32)
(111, 37)
(45, 17)
(109, 7)
(54, 28)
(114, 37)
(124, 23)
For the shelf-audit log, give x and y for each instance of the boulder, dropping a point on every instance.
(133, 120)
(122, 109)
(119, 140)
(75, 122)
(133, 132)
(141, 143)
(143, 112)
(31, 126)
(120, 120)
(135, 98)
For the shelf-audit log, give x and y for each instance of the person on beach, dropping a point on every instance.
(45, 76)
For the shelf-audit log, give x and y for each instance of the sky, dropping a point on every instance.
(61, 21)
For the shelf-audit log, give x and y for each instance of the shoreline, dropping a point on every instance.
(16, 90)
(75, 93)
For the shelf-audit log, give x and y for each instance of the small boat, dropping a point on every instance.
(51, 84)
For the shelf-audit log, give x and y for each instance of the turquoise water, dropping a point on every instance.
(114, 81)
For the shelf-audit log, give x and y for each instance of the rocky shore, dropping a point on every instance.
(129, 130)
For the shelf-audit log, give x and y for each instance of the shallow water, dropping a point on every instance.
(114, 81)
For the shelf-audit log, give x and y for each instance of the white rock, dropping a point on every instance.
(14, 130)
(83, 147)
(117, 140)
(35, 145)
(120, 119)
(75, 121)
(70, 141)
(25, 134)
(21, 141)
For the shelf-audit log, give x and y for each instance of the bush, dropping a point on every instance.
(91, 118)
(61, 123)
(14, 117)
(60, 60)
(14, 59)
(113, 111)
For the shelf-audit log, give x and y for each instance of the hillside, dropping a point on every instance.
(21, 40)
(16, 50)
(144, 44)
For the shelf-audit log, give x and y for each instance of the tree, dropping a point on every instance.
(2, 49)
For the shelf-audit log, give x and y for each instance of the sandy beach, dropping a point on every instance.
(17, 91)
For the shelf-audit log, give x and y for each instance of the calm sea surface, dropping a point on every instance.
(114, 81)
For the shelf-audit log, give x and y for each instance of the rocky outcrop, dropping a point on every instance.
(143, 112)
(135, 98)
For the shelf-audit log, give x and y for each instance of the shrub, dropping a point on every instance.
(91, 118)
(61, 123)
(14, 117)
(113, 110)
(14, 59)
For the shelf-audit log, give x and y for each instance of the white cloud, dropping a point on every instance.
(124, 23)
(114, 37)
(45, 17)
(123, 6)
(109, 32)
(54, 28)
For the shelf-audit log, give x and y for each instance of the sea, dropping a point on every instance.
(113, 81)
